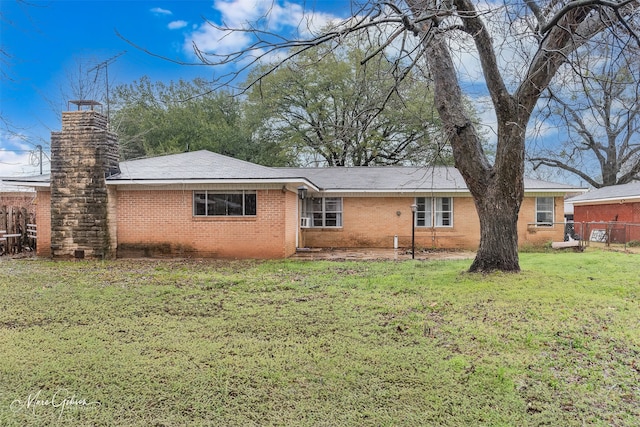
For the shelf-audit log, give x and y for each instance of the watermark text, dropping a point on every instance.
(60, 401)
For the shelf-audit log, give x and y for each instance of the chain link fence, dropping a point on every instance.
(622, 234)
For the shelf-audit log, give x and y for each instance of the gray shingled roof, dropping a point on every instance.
(388, 178)
(614, 192)
(36, 180)
(201, 164)
(383, 178)
(205, 165)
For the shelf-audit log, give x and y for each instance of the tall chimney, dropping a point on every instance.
(83, 154)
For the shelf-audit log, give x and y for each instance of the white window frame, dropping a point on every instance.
(545, 210)
(246, 205)
(319, 211)
(431, 214)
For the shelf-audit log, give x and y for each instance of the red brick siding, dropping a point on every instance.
(162, 223)
(621, 212)
(43, 221)
(612, 212)
(19, 200)
(529, 234)
(374, 221)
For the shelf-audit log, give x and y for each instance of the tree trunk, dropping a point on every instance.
(498, 248)
(497, 189)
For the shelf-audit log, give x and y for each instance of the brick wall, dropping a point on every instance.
(161, 223)
(530, 234)
(621, 212)
(43, 220)
(19, 199)
(374, 221)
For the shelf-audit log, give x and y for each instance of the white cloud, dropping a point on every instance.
(282, 17)
(176, 25)
(19, 159)
(212, 40)
(160, 11)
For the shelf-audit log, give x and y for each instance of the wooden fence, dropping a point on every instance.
(18, 230)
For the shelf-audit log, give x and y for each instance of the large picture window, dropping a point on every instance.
(323, 211)
(434, 212)
(216, 203)
(544, 211)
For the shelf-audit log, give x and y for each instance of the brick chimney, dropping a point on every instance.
(83, 154)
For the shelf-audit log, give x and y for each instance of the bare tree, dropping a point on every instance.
(539, 36)
(598, 103)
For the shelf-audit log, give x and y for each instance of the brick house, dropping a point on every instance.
(617, 204)
(208, 205)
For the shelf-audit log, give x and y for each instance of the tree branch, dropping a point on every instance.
(554, 163)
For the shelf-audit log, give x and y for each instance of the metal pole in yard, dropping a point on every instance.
(413, 230)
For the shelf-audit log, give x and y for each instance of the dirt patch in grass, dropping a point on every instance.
(356, 254)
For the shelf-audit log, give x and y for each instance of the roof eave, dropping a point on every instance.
(28, 183)
(243, 181)
(607, 200)
(395, 190)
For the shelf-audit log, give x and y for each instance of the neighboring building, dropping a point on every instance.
(610, 205)
(208, 205)
(16, 196)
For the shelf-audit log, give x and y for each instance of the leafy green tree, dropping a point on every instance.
(329, 108)
(158, 118)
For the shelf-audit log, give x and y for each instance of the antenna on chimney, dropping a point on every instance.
(105, 65)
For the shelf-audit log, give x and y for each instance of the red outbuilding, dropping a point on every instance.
(614, 209)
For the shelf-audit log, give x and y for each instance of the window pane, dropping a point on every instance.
(443, 219)
(317, 219)
(331, 220)
(546, 217)
(233, 204)
(423, 212)
(224, 204)
(443, 204)
(216, 204)
(443, 212)
(250, 204)
(325, 212)
(199, 203)
(333, 205)
(544, 210)
(545, 204)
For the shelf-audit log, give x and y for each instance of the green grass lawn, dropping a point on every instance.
(299, 343)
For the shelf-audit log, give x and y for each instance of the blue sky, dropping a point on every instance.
(49, 40)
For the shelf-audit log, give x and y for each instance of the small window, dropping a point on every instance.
(544, 211)
(434, 212)
(324, 211)
(210, 203)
